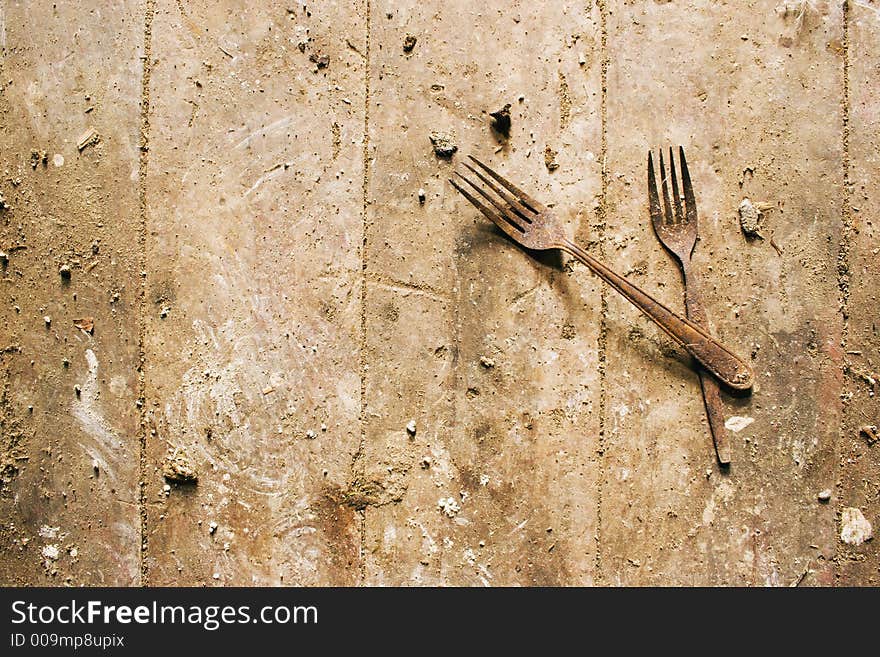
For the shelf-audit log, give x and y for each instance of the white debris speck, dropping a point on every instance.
(212, 527)
(411, 428)
(737, 423)
(216, 575)
(311, 435)
(51, 551)
(449, 506)
(49, 532)
(323, 427)
(58, 160)
(486, 362)
(470, 556)
(74, 553)
(166, 488)
(855, 529)
(484, 480)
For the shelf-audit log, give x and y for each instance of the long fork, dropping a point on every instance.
(676, 228)
(536, 227)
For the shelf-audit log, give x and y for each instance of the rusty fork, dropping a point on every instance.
(536, 227)
(675, 225)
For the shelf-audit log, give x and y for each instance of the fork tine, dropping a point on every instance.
(676, 197)
(524, 198)
(690, 201)
(502, 213)
(496, 219)
(653, 196)
(514, 204)
(663, 182)
(489, 212)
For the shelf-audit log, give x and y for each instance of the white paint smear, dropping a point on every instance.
(737, 423)
(106, 448)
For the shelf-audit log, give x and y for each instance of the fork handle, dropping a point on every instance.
(693, 300)
(711, 354)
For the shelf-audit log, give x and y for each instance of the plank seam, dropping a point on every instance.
(146, 57)
(843, 275)
(363, 346)
(602, 342)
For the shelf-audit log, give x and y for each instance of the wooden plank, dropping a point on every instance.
(859, 492)
(491, 352)
(755, 99)
(68, 421)
(253, 311)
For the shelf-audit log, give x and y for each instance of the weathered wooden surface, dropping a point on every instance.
(670, 516)
(859, 464)
(299, 306)
(66, 70)
(253, 308)
(493, 353)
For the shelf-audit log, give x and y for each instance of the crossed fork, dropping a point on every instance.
(536, 227)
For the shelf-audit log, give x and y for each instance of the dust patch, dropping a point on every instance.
(12, 439)
(336, 133)
(564, 103)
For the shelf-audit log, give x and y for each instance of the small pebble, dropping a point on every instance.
(501, 120)
(825, 495)
(64, 270)
(444, 144)
(750, 218)
(320, 61)
(486, 362)
(48, 320)
(77, 390)
(421, 196)
(311, 435)
(550, 159)
(212, 527)
(323, 427)
(411, 428)
(166, 488)
(4, 258)
(216, 575)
